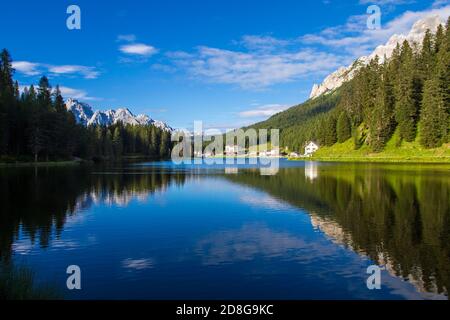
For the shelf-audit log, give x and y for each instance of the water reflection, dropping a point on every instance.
(398, 217)
(311, 170)
(38, 203)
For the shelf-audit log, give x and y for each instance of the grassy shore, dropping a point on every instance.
(18, 283)
(396, 151)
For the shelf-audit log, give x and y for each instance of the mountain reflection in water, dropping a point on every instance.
(199, 220)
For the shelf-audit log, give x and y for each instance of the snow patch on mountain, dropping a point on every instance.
(86, 116)
(82, 111)
(344, 74)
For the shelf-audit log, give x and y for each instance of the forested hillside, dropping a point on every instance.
(408, 94)
(35, 125)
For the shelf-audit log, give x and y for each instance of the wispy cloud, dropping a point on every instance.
(253, 69)
(139, 49)
(78, 94)
(86, 72)
(264, 43)
(126, 38)
(33, 69)
(263, 111)
(440, 3)
(262, 61)
(356, 39)
(132, 51)
(387, 2)
(26, 67)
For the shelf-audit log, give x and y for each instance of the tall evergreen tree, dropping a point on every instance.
(427, 56)
(6, 74)
(406, 106)
(164, 145)
(343, 127)
(434, 119)
(442, 76)
(154, 141)
(330, 136)
(7, 102)
(117, 142)
(108, 144)
(382, 119)
(44, 93)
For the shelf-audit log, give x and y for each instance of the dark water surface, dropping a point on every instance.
(160, 231)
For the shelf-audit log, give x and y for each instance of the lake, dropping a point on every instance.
(162, 231)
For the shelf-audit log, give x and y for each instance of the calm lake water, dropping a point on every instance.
(160, 231)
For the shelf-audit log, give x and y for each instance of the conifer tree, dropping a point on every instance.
(108, 144)
(434, 120)
(154, 141)
(427, 57)
(330, 136)
(382, 119)
(6, 100)
(6, 75)
(439, 38)
(406, 106)
(44, 93)
(442, 76)
(164, 145)
(343, 128)
(117, 142)
(59, 101)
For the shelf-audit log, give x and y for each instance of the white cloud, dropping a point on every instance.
(265, 43)
(27, 68)
(263, 111)
(440, 3)
(253, 70)
(355, 39)
(139, 49)
(266, 61)
(387, 2)
(86, 72)
(126, 37)
(78, 94)
(34, 69)
(68, 92)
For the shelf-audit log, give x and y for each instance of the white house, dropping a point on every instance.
(231, 150)
(311, 148)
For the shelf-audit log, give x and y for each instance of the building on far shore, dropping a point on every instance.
(310, 148)
(233, 150)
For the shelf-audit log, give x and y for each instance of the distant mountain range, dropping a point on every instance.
(344, 74)
(85, 115)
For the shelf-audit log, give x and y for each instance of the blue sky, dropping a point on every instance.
(227, 63)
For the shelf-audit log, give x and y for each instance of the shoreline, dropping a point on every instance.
(409, 160)
(41, 164)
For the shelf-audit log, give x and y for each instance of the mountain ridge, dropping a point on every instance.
(344, 74)
(377, 100)
(85, 115)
